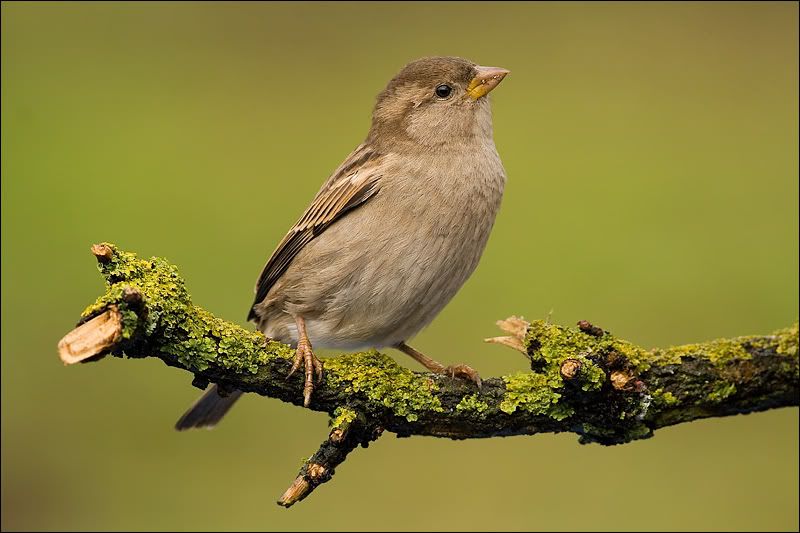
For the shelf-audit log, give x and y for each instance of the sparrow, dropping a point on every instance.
(393, 233)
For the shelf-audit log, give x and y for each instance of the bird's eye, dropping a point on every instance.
(443, 90)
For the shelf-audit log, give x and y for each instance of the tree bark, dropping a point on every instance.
(582, 380)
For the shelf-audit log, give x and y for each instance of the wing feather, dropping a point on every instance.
(350, 186)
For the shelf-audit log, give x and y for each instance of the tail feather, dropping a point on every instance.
(208, 410)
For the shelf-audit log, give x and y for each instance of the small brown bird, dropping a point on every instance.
(393, 234)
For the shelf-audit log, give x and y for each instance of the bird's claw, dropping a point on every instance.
(312, 367)
(464, 372)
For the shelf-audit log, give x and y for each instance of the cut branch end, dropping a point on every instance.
(102, 252)
(296, 492)
(92, 338)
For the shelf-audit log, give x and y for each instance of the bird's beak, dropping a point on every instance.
(487, 79)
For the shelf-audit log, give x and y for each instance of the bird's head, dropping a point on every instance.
(436, 101)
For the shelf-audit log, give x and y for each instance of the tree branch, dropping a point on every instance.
(583, 380)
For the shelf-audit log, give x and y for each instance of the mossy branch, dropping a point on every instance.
(583, 380)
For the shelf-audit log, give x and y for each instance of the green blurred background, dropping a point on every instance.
(652, 158)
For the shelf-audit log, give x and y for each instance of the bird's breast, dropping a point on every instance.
(442, 212)
(451, 193)
(384, 271)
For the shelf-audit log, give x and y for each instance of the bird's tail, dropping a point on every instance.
(208, 410)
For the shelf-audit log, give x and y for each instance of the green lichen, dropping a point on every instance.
(787, 340)
(560, 411)
(718, 352)
(549, 345)
(592, 376)
(200, 339)
(722, 351)
(473, 405)
(382, 380)
(534, 393)
(663, 399)
(342, 416)
(721, 391)
(193, 336)
(129, 321)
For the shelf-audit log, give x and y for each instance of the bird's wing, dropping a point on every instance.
(350, 186)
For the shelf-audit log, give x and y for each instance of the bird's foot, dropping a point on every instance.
(313, 366)
(463, 372)
(454, 371)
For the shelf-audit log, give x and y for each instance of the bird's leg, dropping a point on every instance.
(310, 362)
(462, 371)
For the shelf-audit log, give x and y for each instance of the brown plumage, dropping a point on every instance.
(394, 232)
(341, 193)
